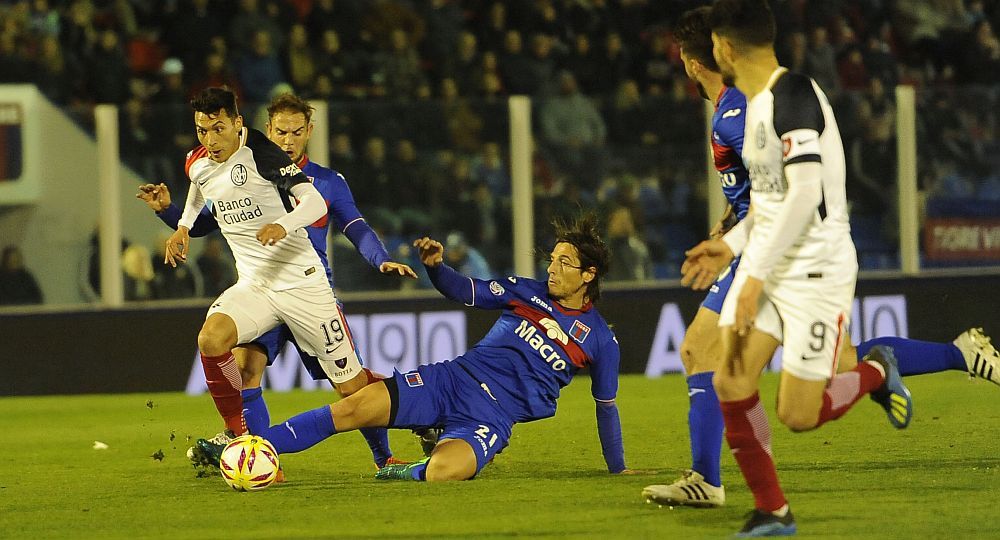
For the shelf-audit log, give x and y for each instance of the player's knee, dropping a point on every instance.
(212, 342)
(797, 419)
(440, 470)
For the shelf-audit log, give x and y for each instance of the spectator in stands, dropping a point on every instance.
(216, 74)
(821, 61)
(443, 19)
(52, 75)
(615, 64)
(879, 59)
(464, 258)
(492, 31)
(465, 67)
(188, 31)
(463, 124)
(852, 71)
(397, 70)
(216, 267)
(488, 169)
(630, 259)
(107, 70)
(17, 284)
(342, 156)
(300, 59)
(582, 63)
(258, 69)
(137, 267)
(515, 67)
(341, 67)
(574, 131)
(979, 61)
(338, 15)
(248, 22)
(872, 155)
(383, 17)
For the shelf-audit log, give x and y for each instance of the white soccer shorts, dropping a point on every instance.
(809, 316)
(311, 313)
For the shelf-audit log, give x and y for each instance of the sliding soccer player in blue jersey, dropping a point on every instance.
(547, 331)
(290, 126)
(701, 351)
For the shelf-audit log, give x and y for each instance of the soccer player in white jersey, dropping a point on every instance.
(251, 183)
(795, 282)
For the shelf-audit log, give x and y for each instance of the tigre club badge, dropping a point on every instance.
(496, 288)
(239, 174)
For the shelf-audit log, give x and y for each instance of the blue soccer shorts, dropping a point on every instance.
(717, 293)
(446, 396)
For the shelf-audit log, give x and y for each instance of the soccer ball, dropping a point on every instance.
(249, 463)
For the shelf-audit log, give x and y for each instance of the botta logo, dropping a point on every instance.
(871, 317)
(385, 341)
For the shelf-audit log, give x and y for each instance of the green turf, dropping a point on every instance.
(856, 477)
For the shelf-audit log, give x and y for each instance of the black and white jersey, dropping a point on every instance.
(249, 190)
(790, 122)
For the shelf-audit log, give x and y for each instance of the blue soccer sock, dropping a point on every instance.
(255, 412)
(302, 431)
(918, 357)
(378, 440)
(705, 425)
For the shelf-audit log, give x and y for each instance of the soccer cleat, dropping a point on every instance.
(207, 452)
(981, 356)
(399, 471)
(761, 523)
(428, 439)
(893, 395)
(689, 490)
(393, 460)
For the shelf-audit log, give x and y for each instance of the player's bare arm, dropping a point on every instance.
(177, 247)
(724, 224)
(431, 251)
(156, 196)
(390, 267)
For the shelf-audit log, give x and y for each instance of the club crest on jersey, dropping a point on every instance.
(239, 174)
(413, 379)
(341, 363)
(761, 140)
(496, 288)
(579, 331)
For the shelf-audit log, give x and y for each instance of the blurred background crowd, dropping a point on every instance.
(418, 112)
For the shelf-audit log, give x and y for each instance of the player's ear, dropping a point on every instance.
(589, 274)
(239, 121)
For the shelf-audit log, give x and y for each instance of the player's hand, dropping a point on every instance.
(177, 247)
(431, 251)
(156, 196)
(269, 234)
(704, 263)
(747, 304)
(390, 267)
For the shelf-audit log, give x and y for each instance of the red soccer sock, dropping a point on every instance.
(224, 383)
(749, 438)
(846, 389)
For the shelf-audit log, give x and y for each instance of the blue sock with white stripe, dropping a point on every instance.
(918, 357)
(302, 431)
(255, 412)
(705, 425)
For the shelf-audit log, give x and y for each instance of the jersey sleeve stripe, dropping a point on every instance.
(353, 221)
(195, 155)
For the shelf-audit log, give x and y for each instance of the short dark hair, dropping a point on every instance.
(693, 34)
(214, 99)
(291, 103)
(749, 22)
(583, 234)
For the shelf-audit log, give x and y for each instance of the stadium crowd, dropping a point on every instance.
(418, 111)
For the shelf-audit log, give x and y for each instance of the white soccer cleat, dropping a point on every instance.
(981, 356)
(689, 490)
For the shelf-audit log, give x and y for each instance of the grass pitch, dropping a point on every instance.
(854, 478)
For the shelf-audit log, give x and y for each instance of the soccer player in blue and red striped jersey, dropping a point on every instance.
(547, 331)
(290, 126)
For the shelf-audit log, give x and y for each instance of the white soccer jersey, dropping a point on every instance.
(250, 190)
(789, 122)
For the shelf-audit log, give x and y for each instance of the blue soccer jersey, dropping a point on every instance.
(728, 123)
(536, 346)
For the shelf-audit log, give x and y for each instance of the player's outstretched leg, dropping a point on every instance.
(981, 357)
(894, 397)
